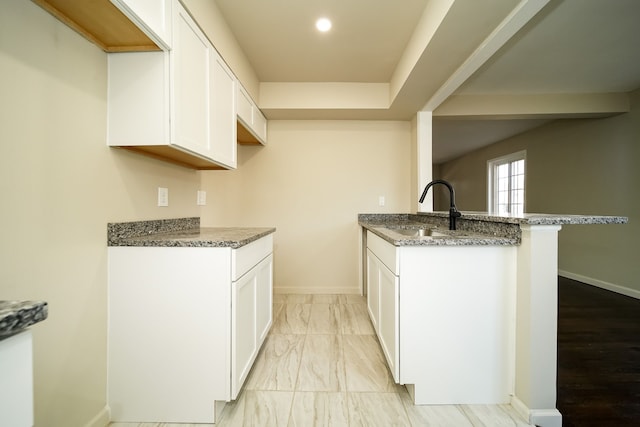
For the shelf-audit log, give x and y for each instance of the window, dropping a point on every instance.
(506, 184)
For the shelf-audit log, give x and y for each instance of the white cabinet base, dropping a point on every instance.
(161, 340)
(183, 334)
(455, 319)
(16, 380)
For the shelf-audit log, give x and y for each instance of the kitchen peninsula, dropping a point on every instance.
(469, 316)
(189, 309)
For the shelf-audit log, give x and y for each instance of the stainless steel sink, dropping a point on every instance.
(419, 232)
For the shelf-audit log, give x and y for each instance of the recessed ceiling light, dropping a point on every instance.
(323, 24)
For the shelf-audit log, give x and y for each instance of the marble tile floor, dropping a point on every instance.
(321, 365)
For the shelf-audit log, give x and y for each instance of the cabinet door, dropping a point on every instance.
(260, 125)
(243, 329)
(190, 85)
(264, 302)
(153, 17)
(389, 320)
(223, 113)
(244, 107)
(373, 288)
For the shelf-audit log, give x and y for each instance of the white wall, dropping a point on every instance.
(580, 166)
(310, 182)
(60, 185)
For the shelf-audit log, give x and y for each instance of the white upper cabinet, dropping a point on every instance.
(189, 61)
(244, 107)
(253, 124)
(222, 116)
(153, 17)
(178, 106)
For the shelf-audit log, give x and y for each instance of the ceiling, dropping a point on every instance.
(452, 57)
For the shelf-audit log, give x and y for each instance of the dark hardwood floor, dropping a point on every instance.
(598, 356)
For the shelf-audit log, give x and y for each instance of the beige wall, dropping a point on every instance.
(310, 182)
(587, 166)
(60, 185)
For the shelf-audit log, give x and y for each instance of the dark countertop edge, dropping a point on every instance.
(16, 316)
(458, 238)
(535, 218)
(482, 228)
(183, 239)
(117, 231)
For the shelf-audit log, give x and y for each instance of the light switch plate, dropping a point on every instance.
(201, 198)
(163, 196)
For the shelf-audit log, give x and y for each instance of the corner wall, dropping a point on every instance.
(310, 182)
(60, 186)
(580, 166)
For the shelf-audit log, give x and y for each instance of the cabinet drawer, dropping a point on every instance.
(244, 258)
(385, 251)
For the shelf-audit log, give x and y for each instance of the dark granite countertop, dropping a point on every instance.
(534, 218)
(473, 228)
(18, 315)
(182, 232)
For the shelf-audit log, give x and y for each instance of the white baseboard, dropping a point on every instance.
(101, 420)
(633, 293)
(323, 291)
(538, 417)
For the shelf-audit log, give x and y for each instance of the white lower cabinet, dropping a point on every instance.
(383, 300)
(388, 325)
(185, 326)
(251, 319)
(16, 380)
(445, 316)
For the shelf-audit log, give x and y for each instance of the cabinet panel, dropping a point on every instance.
(138, 99)
(190, 85)
(169, 328)
(16, 372)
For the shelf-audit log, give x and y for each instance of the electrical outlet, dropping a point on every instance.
(381, 201)
(201, 198)
(163, 196)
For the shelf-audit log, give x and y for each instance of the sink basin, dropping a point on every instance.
(419, 232)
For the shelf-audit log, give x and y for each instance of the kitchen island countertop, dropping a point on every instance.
(473, 228)
(182, 232)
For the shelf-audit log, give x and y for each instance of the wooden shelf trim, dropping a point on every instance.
(100, 22)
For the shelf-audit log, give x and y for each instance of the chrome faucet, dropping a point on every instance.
(453, 211)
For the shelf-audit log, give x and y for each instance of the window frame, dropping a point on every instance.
(492, 184)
